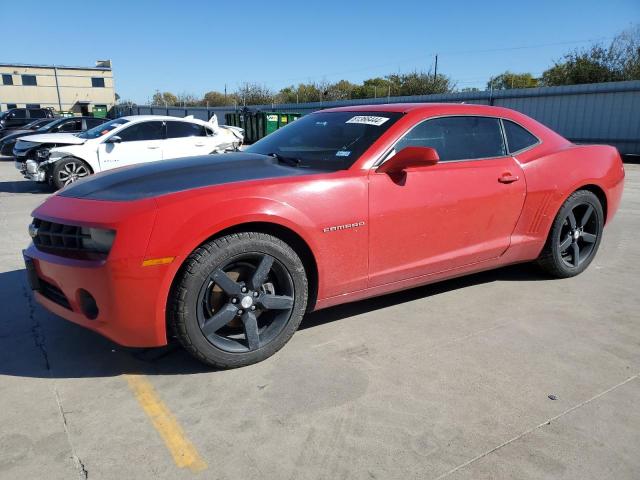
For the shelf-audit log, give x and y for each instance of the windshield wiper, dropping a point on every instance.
(291, 161)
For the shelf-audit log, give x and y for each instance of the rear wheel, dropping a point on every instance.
(238, 299)
(574, 237)
(69, 170)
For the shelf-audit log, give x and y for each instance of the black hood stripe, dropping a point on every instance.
(168, 176)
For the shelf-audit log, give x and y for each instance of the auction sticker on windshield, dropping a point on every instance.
(368, 120)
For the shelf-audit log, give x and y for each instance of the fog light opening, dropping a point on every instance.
(88, 304)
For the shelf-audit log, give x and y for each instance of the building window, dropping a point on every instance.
(29, 80)
(97, 82)
(7, 79)
(11, 105)
(33, 105)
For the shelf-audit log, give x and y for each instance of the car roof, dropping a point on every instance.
(427, 108)
(140, 118)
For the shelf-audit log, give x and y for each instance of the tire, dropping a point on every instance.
(223, 325)
(68, 170)
(575, 236)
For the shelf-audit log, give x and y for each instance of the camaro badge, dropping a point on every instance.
(343, 227)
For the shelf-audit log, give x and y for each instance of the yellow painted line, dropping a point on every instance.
(184, 453)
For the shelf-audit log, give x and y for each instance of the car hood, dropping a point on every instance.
(58, 138)
(168, 176)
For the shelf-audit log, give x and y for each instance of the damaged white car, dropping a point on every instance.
(61, 158)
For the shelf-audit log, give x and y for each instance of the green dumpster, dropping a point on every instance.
(257, 125)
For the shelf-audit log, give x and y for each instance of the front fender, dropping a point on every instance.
(177, 233)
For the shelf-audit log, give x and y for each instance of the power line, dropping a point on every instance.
(440, 53)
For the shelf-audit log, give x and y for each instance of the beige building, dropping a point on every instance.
(81, 90)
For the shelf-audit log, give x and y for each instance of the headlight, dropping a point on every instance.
(32, 166)
(97, 239)
(43, 153)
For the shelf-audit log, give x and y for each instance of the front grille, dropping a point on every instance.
(54, 294)
(50, 236)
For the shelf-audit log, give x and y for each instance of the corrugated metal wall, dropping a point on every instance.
(595, 113)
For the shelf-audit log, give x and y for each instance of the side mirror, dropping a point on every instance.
(114, 139)
(410, 157)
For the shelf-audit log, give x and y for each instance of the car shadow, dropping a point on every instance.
(25, 186)
(35, 343)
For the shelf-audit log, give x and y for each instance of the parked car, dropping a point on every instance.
(341, 205)
(18, 117)
(31, 127)
(59, 125)
(61, 159)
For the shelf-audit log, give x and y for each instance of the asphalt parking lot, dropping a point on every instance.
(448, 381)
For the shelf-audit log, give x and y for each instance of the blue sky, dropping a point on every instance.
(196, 46)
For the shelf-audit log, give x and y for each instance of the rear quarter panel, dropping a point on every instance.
(555, 175)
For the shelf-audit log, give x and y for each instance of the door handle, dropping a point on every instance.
(200, 144)
(152, 148)
(508, 178)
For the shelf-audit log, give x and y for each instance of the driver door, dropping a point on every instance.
(455, 213)
(140, 142)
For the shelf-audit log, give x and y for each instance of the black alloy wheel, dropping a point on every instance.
(575, 235)
(246, 303)
(238, 299)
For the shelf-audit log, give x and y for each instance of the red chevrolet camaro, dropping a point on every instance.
(228, 252)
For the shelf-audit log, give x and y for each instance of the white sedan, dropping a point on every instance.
(63, 158)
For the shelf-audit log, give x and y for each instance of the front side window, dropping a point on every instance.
(71, 126)
(518, 138)
(457, 138)
(18, 113)
(185, 129)
(326, 140)
(97, 82)
(103, 129)
(29, 80)
(7, 79)
(143, 131)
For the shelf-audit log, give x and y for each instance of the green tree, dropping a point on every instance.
(188, 100)
(508, 80)
(253, 94)
(420, 83)
(164, 98)
(598, 63)
(216, 99)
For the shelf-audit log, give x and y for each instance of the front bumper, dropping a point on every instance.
(32, 170)
(130, 298)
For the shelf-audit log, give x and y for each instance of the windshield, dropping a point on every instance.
(326, 140)
(50, 124)
(103, 128)
(37, 123)
(3, 114)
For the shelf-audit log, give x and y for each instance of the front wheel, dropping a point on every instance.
(68, 170)
(238, 299)
(574, 237)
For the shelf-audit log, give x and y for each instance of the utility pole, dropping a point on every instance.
(435, 69)
(55, 73)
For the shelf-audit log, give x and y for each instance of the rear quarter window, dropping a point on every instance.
(518, 138)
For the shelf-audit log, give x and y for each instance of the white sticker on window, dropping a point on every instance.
(368, 120)
(343, 153)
